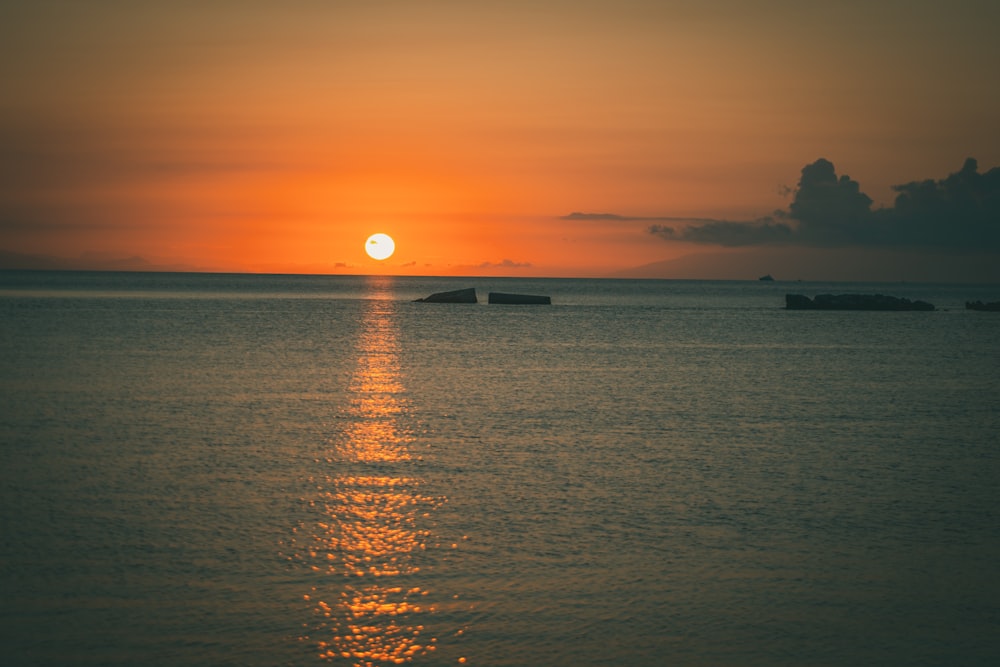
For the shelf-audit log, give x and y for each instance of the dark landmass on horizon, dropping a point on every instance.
(826, 264)
(15, 261)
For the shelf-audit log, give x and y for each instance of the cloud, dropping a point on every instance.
(959, 212)
(733, 234)
(505, 264)
(704, 230)
(962, 210)
(830, 210)
(576, 215)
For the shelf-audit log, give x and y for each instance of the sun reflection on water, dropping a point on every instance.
(370, 607)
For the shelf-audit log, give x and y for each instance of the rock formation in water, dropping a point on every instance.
(993, 306)
(467, 295)
(853, 302)
(500, 297)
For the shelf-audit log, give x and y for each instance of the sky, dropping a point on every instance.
(709, 139)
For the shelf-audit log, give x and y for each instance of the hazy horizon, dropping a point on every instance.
(720, 266)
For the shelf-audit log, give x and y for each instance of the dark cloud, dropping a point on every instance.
(830, 210)
(960, 212)
(722, 232)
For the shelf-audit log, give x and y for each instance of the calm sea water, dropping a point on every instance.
(287, 470)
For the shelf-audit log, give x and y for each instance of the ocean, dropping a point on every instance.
(303, 470)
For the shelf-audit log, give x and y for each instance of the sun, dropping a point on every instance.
(380, 246)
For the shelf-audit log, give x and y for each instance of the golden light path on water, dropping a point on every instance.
(369, 607)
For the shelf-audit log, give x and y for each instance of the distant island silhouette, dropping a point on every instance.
(853, 302)
(993, 306)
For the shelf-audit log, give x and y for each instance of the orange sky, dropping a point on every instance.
(256, 136)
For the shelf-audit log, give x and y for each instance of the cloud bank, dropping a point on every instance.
(722, 232)
(959, 212)
(505, 264)
(613, 217)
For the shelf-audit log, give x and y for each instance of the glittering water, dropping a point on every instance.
(267, 470)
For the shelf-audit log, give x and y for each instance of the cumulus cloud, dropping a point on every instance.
(961, 211)
(830, 210)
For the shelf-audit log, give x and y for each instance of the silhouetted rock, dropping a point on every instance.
(766, 278)
(798, 302)
(853, 302)
(467, 295)
(993, 306)
(500, 297)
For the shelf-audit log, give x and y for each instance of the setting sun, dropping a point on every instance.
(380, 246)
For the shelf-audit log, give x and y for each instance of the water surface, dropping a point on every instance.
(292, 470)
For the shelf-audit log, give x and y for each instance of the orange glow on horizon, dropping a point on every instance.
(224, 137)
